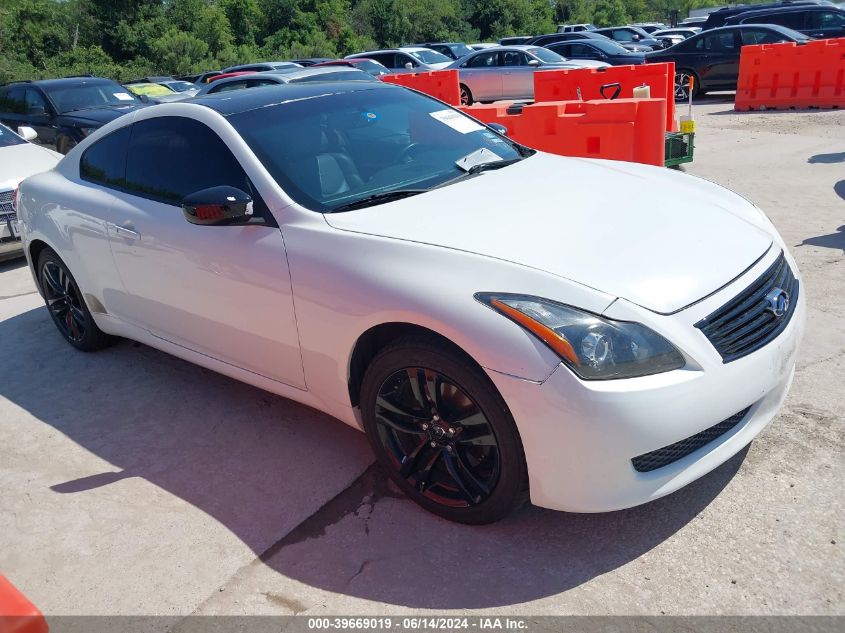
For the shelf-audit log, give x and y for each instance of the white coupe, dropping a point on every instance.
(500, 322)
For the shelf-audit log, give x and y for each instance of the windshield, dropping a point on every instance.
(7, 137)
(151, 90)
(429, 57)
(461, 50)
(547, 56)
(609, 46)
(180, 86)
(332, 150)
(82, 96)
(796, 35)
(372, 67)
(339, 75)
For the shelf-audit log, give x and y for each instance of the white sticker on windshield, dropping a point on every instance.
(457, 121)
(123, 96)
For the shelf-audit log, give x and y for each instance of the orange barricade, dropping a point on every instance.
(440, 84)
(564, 85)
(791, 75)
(622, 129)
(17, 614)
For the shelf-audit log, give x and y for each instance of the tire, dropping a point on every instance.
(417, 400)
(66, 305)
(466, 96)
(682, 76)
(64, 144)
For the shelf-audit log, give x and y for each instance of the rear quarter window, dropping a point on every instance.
(104, 163)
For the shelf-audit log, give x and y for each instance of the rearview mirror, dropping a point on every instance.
(217, 205)
(498, 128)
(27, 133)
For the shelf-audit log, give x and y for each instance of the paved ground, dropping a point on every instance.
(134, 483)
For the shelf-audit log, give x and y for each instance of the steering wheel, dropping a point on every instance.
(405, 155)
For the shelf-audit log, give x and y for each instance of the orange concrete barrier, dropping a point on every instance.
(17, 614)
(565, 85)
(440, 84)
(790, 75)
(622, 129)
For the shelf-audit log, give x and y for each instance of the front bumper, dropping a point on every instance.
(580, 436)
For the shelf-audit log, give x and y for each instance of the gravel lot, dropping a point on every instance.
(134, 483)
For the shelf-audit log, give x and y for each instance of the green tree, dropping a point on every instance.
(179, 53)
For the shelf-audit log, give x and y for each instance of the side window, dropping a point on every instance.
(403, 59)
(485, 60)
(386, 59)
(716, 43)
(793, 20)
(171, 157)
(622, 35)
(35, 103)
(231, 85)
(104, 162)
(514, 58)
(13, 100)
(580, 51)
(258, 83)
(825, 19)
(758, 36)
(564, 50)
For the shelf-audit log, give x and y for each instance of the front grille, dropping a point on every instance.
(748, 322)
(669, 454)
(6, 208)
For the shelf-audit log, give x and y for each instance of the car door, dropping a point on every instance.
(41, 116)
(517, 75)
(825, 23)
(482, 75)
(221, 291)
(580, 50)
(717, 61)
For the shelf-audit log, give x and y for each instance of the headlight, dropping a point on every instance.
(593, 347)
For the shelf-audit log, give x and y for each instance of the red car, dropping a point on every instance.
(368, 65)
(224, 75)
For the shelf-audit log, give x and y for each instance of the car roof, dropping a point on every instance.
(238, 101)
(66, 81)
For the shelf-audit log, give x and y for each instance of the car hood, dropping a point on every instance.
(658, 238)
(22, 161)
(96, 117)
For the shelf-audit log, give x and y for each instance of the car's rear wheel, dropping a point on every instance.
(66, 305)
(466, 96)
(443, 432)
(682, 79)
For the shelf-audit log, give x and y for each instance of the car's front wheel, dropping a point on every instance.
(466, 96)
(66, 305)
(682, 85)
(443, 432)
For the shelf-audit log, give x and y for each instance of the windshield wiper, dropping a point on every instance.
(496, 164)
(378, 198)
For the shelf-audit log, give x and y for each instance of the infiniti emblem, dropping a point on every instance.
(777, 302)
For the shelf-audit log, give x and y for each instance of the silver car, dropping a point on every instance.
(287, 76)
(507, 72)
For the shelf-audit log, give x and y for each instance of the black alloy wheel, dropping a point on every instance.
(443, 433)
(466, 96)
(66, 306)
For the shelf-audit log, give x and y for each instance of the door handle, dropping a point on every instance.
(127, 232)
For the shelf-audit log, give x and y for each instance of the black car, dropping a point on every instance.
(609, 52)
(64, 111)
(818, 21)
(453, 50)
(551, 38)
(629, 35)
(711, 58)
(721, 16)
(514, 41)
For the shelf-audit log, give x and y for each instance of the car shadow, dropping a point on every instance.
(251, 460)
(827, 159)
(834, 240)
(839, 189)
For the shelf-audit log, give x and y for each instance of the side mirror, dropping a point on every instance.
(635, 37)
(27, 133)
(533, 62)
(498, 128)
(409, 65)
(217, 205)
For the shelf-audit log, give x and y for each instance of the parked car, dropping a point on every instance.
(817, 21)
(697, 21)
(239, 73)
(408, 59)
(260, 67)
(361, 63)
(514, 41)
(551, 38)
(631, 35)
(177, 85)
(609, 52)
(711, 57)
(205, 77)
(19, 159)
(452, 50)
(64, 111)
(649, 27)
(507, 72)
(575, 28)
(683, 32)
(156, 93)
(379, 256)
(302, 75)
(311, 61)
(719, 17)
(480, 46)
